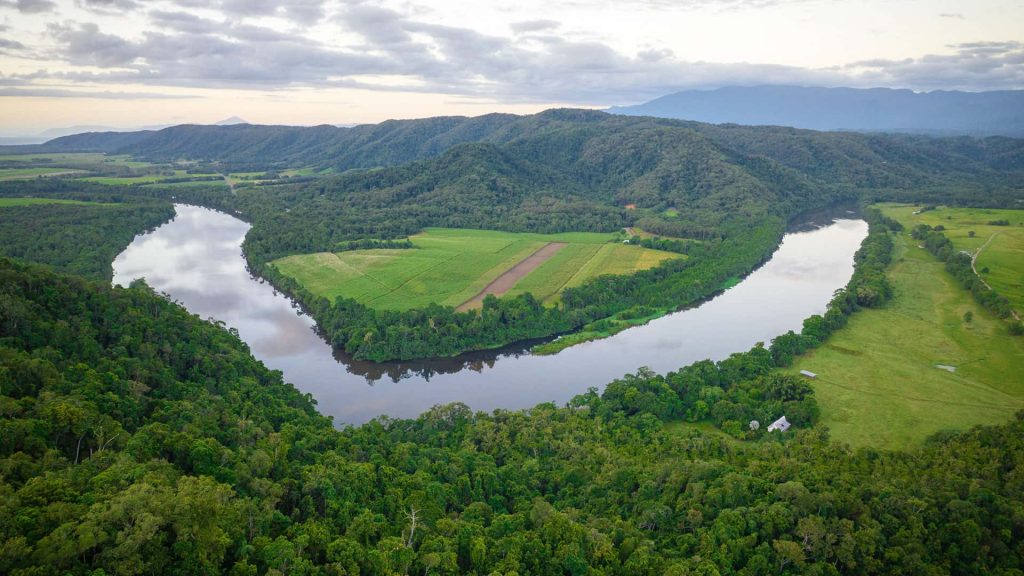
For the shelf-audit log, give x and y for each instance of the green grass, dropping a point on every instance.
(877, 382)
(9, 202)
(595, 331)
(1003, 254)
(140, 179)
(699, 429)
(451, 266)
(83, 165)
(27, 173)
(192, 184)
(73, 157)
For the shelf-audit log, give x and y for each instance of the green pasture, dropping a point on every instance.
(28, 173)
(10, 202)
(450, 266)
(1002, 247)
(55, 158)
(188, 184)
(878, 384)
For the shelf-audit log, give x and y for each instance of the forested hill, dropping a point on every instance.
(399, 142)
(580, 170)
(869, 110)
(154, 443)
(726, 191)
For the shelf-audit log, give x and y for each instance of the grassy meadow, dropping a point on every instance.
(10, 202)
(451, 266)
(878, 384)
(27, 173)
(1002, 247)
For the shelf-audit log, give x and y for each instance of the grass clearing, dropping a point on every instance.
(10, 202)
(29, 173)
(878, 384)
(1003, 253)
(56, 158)
(450, 266)
(189, 184)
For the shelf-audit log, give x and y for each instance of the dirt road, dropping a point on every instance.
(508, 279)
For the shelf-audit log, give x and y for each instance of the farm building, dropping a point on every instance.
(781, 425)
(808, 373)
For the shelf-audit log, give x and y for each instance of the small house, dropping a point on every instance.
(781, 425)
(808, 374)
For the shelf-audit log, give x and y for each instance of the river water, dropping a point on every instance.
(196, 259)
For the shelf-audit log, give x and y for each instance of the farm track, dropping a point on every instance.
(974, 259)
(510, 277)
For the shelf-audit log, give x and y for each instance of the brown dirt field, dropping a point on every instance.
(508, 279)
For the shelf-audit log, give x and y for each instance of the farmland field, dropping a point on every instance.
(878, 382)
(55, 158)
(450, 267)
(26, 173)
(9, 202)
(1001, 261)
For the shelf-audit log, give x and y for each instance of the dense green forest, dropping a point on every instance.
(138, 438)
(81, 238)
(727, 191)
(730, 189)
(959, 265)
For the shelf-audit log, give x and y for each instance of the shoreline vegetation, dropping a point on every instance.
(139, 438)
(553, 172)
(438, 331)
(129, 429)
(931, 360)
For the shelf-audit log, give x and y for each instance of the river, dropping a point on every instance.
(196, 259)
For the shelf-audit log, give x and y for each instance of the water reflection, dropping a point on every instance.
(197, 260)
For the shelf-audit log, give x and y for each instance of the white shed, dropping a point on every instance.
(781, 425)
(808, 373)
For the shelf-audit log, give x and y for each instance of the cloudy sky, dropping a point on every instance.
(129, 63)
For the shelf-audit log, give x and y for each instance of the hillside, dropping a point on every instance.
(567, 170)
(865, 110)
(726, 190)
(157, 445)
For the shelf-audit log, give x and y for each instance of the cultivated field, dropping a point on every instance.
(450, 267)
(878, 382)
(8, 202)
(1001, 260)
(28, 173)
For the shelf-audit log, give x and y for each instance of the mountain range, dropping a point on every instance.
(863, 110)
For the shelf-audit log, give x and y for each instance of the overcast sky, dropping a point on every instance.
(129, 63)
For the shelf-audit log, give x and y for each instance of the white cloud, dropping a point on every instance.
(289, 44)
(29, 6)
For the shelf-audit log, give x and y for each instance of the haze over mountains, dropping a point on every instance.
(866, 110)
(939, 113)
(398, 142)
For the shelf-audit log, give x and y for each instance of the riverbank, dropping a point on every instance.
(879, 383)
(196, 259)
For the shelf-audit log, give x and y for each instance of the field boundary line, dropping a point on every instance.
(583, 267)
(413, 277)
(358, 271)
(573, 275)
(516, 272)
(1020, 400)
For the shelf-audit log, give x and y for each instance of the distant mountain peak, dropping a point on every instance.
(230, 121)
(867, 110)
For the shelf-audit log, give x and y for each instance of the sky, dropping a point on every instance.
(133, 63)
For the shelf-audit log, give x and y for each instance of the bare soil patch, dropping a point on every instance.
(510, 277)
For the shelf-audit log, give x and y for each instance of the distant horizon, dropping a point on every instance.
(131, 63)
(52, 132)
